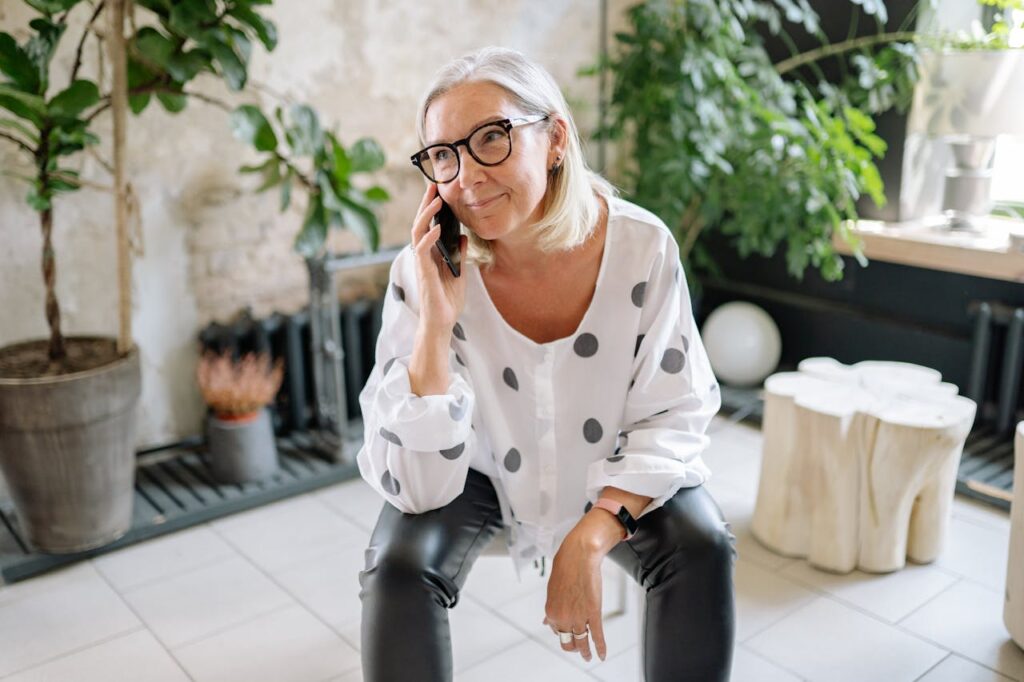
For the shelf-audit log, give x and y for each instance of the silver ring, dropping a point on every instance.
(564, 637)
(582, 635)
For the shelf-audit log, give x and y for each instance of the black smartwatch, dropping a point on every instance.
(621, 513)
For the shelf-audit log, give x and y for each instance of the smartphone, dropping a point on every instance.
(448, 244)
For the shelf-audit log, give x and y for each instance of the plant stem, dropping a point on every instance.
(119, 108)
(57, 350)
(691, 225)
(18, 142)
(838, 48)
(81, 42)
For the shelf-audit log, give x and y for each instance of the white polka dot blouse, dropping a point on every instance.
(624, 401)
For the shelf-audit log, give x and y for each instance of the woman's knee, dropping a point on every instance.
(696, 528)
(403, 569)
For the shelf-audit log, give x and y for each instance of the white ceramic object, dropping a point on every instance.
(742, 342)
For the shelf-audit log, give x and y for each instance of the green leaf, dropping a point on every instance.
(52, 6)
(232, 68)
(311, 238)
(74, 99)
(305, 134)
(264, 29)
(40, 48)
(138, 103)
(172, 102)
(377, 193)
(22, 104)
(17, 66)
(362, 221)
(366, 155)
(184, 66)
(248, 124)
(342, 163)
(271, 175)
(154, 47)
(30, 135)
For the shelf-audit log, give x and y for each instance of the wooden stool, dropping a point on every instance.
(859, 464)
(1013, 611)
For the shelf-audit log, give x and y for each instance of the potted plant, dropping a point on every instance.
(301, 152)
(718, 137)
(67, 403)
(239, 434)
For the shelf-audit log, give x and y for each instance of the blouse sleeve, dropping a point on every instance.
(416, 449)
(671, 400)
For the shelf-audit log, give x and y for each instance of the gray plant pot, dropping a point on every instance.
(241, 452)
(67, 450)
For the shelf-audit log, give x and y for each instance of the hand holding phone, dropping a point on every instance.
(448, 244)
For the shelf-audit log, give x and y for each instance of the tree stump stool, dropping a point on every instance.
(1013, 610)
(859, 464)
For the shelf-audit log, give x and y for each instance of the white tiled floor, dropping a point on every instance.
(272, 594)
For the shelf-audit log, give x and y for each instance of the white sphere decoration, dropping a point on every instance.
(743, 343)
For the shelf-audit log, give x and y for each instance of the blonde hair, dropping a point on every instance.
(570, 207)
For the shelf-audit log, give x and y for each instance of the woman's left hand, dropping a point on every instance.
(574, 593)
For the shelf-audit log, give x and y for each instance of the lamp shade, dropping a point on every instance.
(977, 93)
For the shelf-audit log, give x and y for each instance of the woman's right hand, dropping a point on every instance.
(442, 295)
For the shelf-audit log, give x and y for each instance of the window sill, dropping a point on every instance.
(988, 254)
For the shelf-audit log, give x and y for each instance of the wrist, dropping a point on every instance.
(600, 531)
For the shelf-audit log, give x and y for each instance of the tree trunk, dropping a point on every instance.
(57, 351)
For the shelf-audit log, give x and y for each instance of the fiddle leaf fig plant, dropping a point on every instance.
(717, 137)
(301, 152)
(48, 122)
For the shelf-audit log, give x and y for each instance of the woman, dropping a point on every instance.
(557, 388)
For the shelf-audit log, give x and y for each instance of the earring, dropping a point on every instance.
(557, 166)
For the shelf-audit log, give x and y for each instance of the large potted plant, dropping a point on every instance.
(718, 137)
(67, 403)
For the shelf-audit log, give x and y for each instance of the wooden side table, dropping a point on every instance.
(1013, 610)
(859, 464)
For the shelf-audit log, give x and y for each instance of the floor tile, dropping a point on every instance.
(289, 644)
(328, 586)
(956, 669)
(968, 619)
(354, 499)
(828, 642)
(737, 507)
(763, 598)
(351, 676)
(58, 613)
(890, 596)
(162, 557)
(748, 666)
(527, 660)
(624, 667)
(285, 533)
(492, 581)
(978, 552)
(198, 603)
(478, 634)
(128, 658)
(970, 509)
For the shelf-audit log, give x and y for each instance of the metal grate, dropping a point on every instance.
(174, 489)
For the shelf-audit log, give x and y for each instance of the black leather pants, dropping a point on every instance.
(683, 556)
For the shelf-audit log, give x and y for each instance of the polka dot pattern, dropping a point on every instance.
(453, 453)
(686, 343)
(390, 437)
(673, 360)
(398, 292)
(387, 365)
(390, 484)
(637, 294)
(592, 430)
(510, 379)
(513, 460)
(459, 334)
(585, 345)
(529, 552)
(460, 360)
(639, 340)
(615, 458)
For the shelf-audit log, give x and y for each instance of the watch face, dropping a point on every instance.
(628, 521)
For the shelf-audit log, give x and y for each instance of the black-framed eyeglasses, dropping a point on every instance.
(490, 144)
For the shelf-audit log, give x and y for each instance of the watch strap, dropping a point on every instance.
(615, 508)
